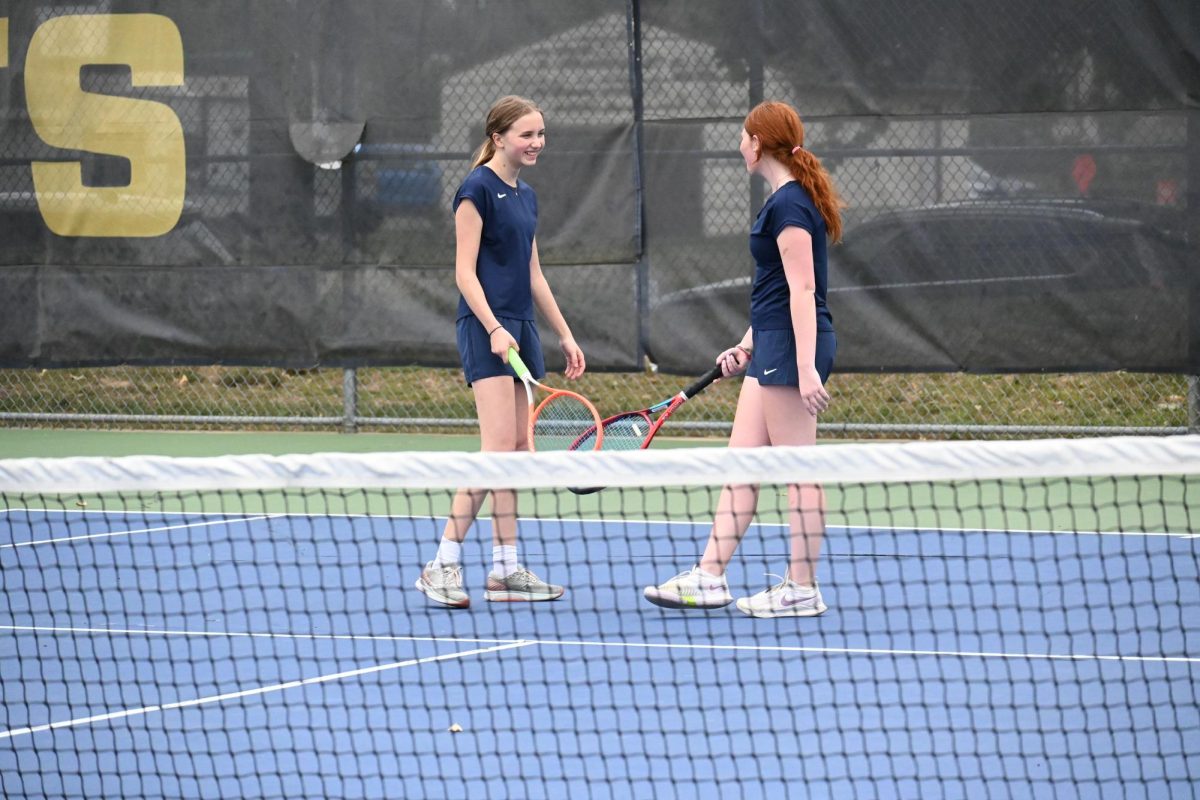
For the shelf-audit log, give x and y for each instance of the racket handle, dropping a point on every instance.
(517, 364)
(702, 382)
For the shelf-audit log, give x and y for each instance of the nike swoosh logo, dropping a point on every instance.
(501, 196)
(769, 371)
(786, 603)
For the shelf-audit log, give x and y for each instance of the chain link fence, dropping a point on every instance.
(420, 399)
(956, 168)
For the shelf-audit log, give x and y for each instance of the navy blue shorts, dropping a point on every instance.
(476, 351)
(774, 361)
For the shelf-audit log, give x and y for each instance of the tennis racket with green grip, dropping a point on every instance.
(562, 418)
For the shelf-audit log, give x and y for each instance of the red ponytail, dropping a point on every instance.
(779, 130)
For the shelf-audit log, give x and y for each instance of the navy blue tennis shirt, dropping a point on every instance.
(770, 298)
(506, 245)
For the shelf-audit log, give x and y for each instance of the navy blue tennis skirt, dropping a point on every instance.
(774, 361)
(476, 352)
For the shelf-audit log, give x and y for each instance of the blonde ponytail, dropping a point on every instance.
(483, 153)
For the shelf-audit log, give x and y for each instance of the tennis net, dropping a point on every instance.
(1004, 619)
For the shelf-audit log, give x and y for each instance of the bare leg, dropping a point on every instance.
(463, 510)
(504, 501)
(736, 506)
(789, 423)
(503, 414)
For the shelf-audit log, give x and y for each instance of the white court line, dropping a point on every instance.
(279, 687)
(114, 512)
(113, 534)
(759, 648)
(860, 528)
(250, 634)
(879, 528)
(229, 514)
(910, 529)
(849, 528)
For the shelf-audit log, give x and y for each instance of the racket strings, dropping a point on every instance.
(561, 421)
(626, 432)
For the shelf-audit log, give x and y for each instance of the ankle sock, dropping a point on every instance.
(504, 560)
(448, 552)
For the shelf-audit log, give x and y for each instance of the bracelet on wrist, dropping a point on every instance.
(493, 330)
(747, 350)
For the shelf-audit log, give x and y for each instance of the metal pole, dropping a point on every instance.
(754, 54)
(350, 400)
(1193, 404)
(1192, 202)
(633, 12)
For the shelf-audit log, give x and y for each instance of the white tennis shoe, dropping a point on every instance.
(522, 585)
(691, 589)
(785, 599)
(444, 585)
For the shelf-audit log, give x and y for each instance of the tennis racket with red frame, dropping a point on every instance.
(634, 430)
(562, 419)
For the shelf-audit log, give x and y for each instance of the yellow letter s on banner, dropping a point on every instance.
(147, 133)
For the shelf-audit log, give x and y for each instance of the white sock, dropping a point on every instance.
(504, 559)
(708, 574)
(449, 552)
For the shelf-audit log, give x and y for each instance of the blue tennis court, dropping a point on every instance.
(148, 653)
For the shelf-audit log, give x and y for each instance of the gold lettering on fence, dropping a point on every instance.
(148, 134)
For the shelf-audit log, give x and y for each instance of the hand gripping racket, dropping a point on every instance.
(562, 419)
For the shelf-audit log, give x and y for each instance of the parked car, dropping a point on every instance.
(998, 285)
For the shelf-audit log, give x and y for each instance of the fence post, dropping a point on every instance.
(350, 400)
(633, 22)
(1193, 404)
(758, 189)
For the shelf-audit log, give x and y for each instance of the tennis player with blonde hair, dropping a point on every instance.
(500, 280)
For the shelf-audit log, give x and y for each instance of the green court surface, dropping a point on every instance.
(54, 443)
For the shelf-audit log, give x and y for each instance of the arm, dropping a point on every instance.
(544, 298)
(795, 247)
(468, 229)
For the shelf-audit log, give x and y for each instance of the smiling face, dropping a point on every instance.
(523, 141)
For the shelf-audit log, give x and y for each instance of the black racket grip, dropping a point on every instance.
(702, 382)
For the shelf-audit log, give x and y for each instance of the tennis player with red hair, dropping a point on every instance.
(787, 355)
